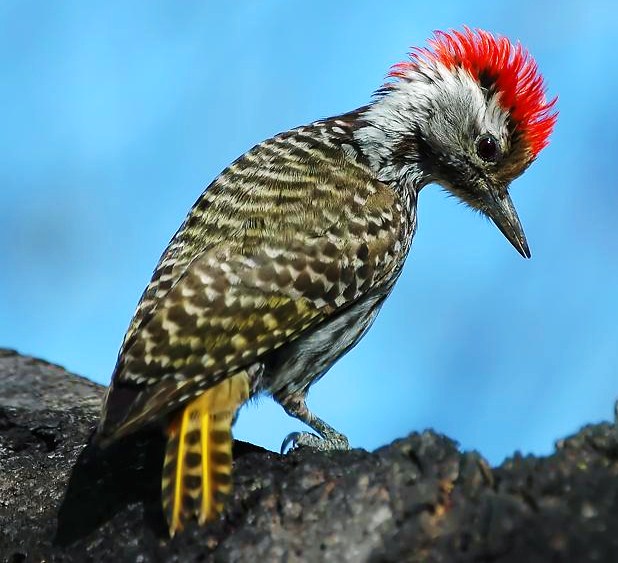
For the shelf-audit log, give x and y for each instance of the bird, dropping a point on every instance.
(284, 261)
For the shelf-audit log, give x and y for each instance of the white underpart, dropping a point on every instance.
(447, 105)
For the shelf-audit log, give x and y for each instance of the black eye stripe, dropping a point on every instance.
(487, 148)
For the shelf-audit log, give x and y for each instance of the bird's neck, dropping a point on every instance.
(393, 157)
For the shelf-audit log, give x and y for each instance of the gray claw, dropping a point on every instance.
(289, 439)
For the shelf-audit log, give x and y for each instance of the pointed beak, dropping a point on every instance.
(501, 211)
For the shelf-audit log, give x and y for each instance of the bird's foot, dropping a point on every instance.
(333, 441)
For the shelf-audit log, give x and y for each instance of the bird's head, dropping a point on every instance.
(468, 112)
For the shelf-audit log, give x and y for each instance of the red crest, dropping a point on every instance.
(510, 67)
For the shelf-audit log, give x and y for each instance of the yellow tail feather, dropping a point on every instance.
(197, 471)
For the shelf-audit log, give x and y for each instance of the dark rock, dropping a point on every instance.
(417, 499)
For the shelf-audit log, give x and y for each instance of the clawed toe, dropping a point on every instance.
(299, 440)
(289, 440)
(307, 439)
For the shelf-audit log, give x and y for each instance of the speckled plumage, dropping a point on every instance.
(285, 260)
(282, 241)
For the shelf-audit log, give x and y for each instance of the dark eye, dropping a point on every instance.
(487, 148)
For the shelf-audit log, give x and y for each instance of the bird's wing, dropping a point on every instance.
(267, 253)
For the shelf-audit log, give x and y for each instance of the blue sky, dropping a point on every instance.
(116, 115)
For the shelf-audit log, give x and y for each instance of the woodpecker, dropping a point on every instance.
(284, 261)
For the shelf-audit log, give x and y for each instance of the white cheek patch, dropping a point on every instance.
(446, 104)
(456, 107)
(462, 109)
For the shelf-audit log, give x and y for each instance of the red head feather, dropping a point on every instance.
(511, 68)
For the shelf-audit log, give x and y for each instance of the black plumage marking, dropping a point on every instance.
(303, 282)
(222, 479)
(192, 482)
(221, 458)
(190, 503)
(220, 436)
(193, 459)
(178, 314)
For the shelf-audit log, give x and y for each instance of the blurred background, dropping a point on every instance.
(116, 115)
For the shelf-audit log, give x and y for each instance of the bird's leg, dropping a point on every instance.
(329, 439)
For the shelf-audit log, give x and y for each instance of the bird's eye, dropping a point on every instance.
(487, 148)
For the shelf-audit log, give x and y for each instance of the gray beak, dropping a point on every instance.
(501, 211)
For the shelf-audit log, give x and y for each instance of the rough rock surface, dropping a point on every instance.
(417, 499)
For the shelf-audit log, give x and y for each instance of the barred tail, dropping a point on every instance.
(198, 458)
